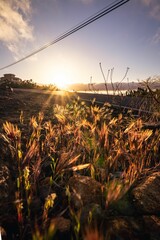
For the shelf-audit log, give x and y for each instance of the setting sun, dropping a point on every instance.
(60, 79)
(59, 75)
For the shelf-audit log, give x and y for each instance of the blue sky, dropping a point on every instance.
(126, 37)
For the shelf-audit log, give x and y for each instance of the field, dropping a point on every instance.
(71, 170)
(30, 102)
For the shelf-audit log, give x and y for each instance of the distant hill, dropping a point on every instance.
(114, 86)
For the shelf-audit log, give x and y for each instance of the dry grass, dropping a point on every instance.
(77, 138)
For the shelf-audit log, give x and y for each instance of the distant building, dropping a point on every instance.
(10, 77)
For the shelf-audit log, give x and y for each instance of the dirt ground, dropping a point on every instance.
(30, 102)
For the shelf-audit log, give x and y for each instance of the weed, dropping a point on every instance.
(79, 138)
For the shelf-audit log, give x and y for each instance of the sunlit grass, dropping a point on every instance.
(78, 138)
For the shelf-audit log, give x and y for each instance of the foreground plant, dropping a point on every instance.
(79, 138)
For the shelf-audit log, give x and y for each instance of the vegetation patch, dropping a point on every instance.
(41, 154)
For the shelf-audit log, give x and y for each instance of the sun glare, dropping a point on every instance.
(60, 75)
(60, 79)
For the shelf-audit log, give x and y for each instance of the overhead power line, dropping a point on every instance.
(83, 24)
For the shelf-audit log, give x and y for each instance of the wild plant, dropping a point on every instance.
(49, 202)
(74, 215)
(92, 234)
(79, 138)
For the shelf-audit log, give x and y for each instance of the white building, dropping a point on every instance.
(10, 77)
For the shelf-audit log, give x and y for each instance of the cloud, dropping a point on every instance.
(154, 12)
(146, 2)
(15, 29)
(84, 1)
(154, 8)
(156, 37)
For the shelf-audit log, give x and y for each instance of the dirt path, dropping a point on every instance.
(30, 102)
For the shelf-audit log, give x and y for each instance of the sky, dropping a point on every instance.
(126, 37)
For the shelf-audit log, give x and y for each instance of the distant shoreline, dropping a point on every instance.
(115, 87)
